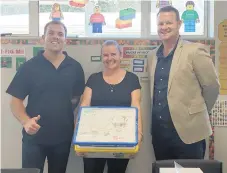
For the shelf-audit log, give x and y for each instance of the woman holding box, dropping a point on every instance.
(111, 87)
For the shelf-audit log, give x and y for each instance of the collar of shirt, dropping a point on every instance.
(159, 53)
(65, 61)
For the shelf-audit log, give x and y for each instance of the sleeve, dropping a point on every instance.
(206, 74)
(91, 81)
(20, 85)
(135, 84)
(80, 82)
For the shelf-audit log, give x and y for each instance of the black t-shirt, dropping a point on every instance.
(121, 95)
(49, 92)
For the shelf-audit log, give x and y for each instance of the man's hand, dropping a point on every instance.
(31, 127)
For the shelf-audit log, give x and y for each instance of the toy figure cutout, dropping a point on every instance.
(78, 3)
(190, 17)
(56, 14)
(163, 3)
(97, 20)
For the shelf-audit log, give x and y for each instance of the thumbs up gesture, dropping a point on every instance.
(31, 126)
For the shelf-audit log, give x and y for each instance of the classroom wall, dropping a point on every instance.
(86, 52)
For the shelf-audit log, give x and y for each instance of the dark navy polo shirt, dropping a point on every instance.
(49, 92)
(160, 112)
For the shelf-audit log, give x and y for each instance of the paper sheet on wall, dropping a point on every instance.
(219, 113)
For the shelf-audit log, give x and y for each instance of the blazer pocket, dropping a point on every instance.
(193, 109)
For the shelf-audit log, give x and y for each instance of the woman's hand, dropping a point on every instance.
(80, 154)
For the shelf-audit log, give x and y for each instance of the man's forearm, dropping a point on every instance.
(18, 110)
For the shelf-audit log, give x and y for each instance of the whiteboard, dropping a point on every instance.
(107, 126)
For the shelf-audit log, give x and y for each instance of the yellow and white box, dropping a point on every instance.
(107, 132)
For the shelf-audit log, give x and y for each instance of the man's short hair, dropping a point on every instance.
(57, 23)
(170, 9)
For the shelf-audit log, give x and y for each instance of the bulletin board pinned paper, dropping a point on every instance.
(219, 113)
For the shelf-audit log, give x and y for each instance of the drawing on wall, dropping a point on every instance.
(125, 18)
(19, 62)
(78, 3)
(190, 17)
(117, 125)
(163, 3)
(6, 62)
(56, 13)
(97, 20)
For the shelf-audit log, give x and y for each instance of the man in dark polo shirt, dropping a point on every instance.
(53, 82)
(184, 87)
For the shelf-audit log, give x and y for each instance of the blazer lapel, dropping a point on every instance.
(153, 63)
(175, 62)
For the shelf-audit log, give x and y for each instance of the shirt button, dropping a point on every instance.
(159, 104)
(159, 91)
(162, 68)
(160, 117)
(160, 79)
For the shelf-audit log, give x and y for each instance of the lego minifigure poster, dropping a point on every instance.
(191, 12)
(190, 17)
(97, 20)
(56, 14)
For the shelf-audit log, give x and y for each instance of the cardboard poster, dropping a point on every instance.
(222, 31)
(222, 36)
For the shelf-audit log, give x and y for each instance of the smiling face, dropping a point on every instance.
(54, 38)
(111, 57)
(168, 25)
